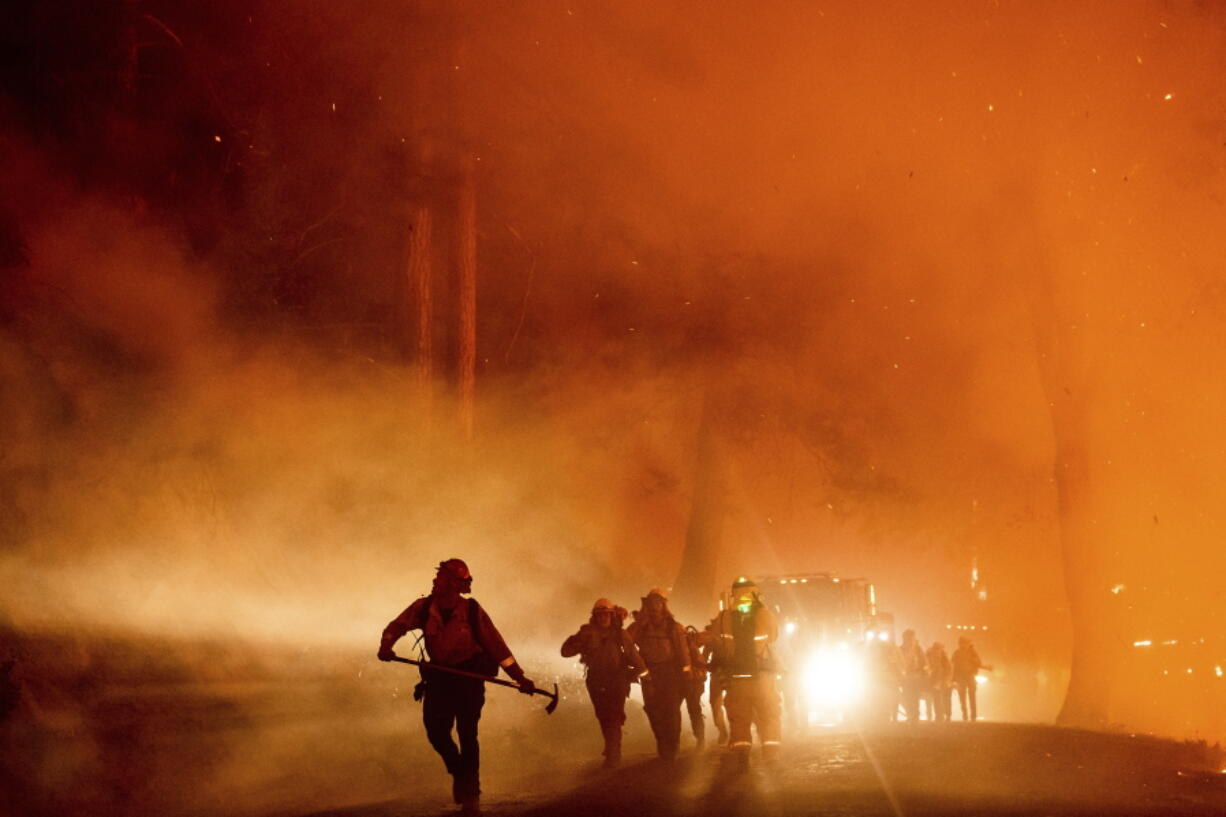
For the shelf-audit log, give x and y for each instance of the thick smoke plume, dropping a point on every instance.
(937, 285)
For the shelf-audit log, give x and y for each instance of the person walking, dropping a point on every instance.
(458, 634)
(611, 663)
(661, 641)
(741, 637)
(695, 686)
(966, 666)
(885, 686)
(940, 682)
(914, 675)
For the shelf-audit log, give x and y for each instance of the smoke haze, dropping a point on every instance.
(878, 248)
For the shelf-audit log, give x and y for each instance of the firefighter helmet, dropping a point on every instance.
(457, 571)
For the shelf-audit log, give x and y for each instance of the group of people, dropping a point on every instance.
(672, 664)
(731, 657)
(669, 661)
(930, 677)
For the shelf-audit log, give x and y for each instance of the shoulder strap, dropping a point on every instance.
(473, 622)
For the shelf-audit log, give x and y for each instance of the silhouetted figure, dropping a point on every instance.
(715, 685)
(458, 634)
(940, 683)
(885, 680)
(662, 643)
(966, 666)
(741, 638)
(695, 686)
(612, 662)
(914, 675)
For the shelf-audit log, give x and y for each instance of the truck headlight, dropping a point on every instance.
(834, 678)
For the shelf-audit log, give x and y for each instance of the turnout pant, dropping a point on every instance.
(968, 692)
(717, 707)
(753, 700)
(942, 701)
(914, 689)
(694, 688)
(453, 702)
(663, 691)
(609, 701)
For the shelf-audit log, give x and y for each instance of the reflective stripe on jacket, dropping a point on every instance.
(730, 658)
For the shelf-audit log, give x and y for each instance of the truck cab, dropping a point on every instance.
(827, 627)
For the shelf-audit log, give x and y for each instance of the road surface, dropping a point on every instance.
(954, 769)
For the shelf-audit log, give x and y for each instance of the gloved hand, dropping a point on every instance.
(386, 654)
(517, 675)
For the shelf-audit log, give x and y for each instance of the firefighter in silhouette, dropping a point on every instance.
(741, 637)
(661, 641)
(940, 682)
(966, 666)
(695, 686)
(707, 661)
(612, 662)
(914, 675)
(885, 669)
(458, 634)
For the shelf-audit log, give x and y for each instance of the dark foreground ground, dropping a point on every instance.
(123, 727)
(958, 769)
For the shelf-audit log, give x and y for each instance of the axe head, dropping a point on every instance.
(553, 704)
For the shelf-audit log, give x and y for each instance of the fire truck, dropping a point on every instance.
(828, 627)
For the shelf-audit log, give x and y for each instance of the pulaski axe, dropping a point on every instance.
(553, 696)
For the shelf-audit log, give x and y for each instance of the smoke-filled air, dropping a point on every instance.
(299, 299)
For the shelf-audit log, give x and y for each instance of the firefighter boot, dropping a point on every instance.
(735, 760)
(468, 787)
(700, 736)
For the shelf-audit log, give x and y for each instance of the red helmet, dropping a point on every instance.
(457, 571)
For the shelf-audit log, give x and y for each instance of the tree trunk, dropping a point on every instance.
(693, 594)
(1067, 383)
(1086, 703)
(467, 359)
(420, 281)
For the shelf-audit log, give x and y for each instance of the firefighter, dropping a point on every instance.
(914, 675)
(940, 682)
(661, 641)
(611, 662)
(695, 685)
(966, 666)
(459, 634)
(885, 667)
(741, 638)
(715, 689)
